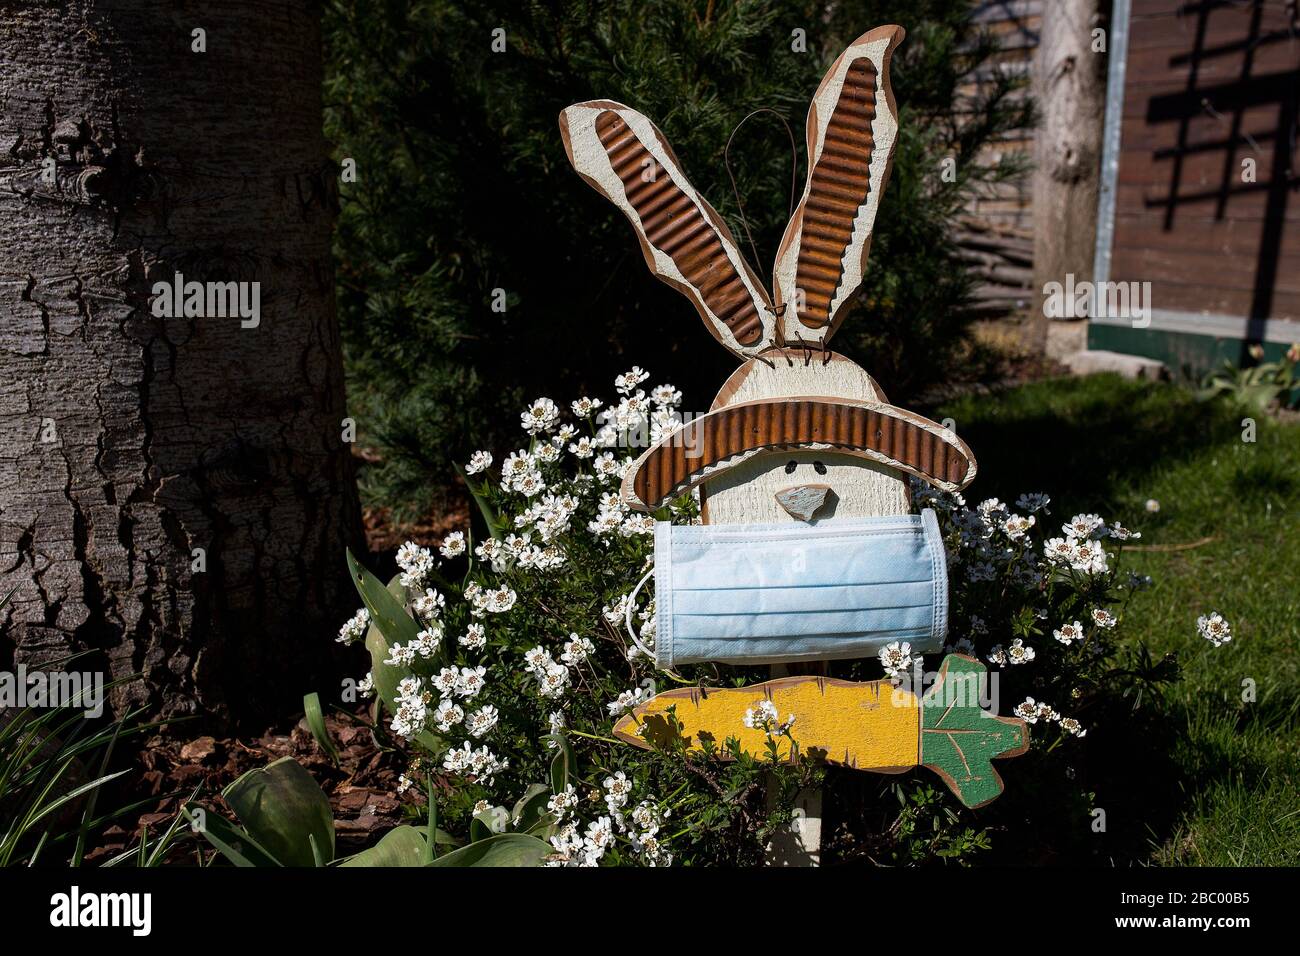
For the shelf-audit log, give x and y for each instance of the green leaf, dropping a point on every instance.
(561, 764)
(230, 841)
(316, 721)
(284, 809)
(504, 849)
(530, 807)
(959, 739)
(386, 608)
(400, 846)
(484, 508)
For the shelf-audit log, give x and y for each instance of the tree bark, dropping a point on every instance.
(127, 441)
(1070, 90)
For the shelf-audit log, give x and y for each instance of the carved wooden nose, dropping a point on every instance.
(802, 501)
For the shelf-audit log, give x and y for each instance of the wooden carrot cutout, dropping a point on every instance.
(867, 726)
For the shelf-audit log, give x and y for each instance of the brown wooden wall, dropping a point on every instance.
(1211, 84)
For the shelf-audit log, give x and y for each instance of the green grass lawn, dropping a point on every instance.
(1219, 784)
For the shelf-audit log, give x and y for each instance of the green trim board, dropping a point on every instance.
(1186, 354)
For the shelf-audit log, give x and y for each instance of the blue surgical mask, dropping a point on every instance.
(775, 593)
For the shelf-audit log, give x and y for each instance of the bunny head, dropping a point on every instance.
(797, 432)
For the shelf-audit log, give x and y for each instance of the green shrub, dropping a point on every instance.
(463, 188)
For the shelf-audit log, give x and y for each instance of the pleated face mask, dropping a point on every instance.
(775, 593)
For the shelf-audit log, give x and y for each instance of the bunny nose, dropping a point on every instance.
(803, 501)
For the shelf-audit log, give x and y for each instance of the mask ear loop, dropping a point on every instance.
(631, 631)
(627, 615)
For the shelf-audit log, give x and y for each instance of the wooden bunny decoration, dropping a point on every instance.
(799, 443)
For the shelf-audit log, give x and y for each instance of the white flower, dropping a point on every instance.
(763, 716)
(501, 600)
(1058, 550)
(366, 686)
(1069, 633)
(553, 681)
(626, 701)
(1103, 618)
(665, 396)
(427, 641)
(1089, 557)
(896, 658)
(1045, 712)
(1027, 710)
(583, 448)
(400, 656)
(453, 545)
(561, 803)
(474, 637)
(470, 681)
(599, 835)
(429, 604)
(614, 613)
(529, 484)
(1072, 726)
(576, 649)
(457, 759)
(1121, 533)
(481, 806)
(1016, 526)
(484, 764)
(482, 720)
(997, 655)
(516, 464)
(1018, 653)
(1214, 628)
(416, 563)
(617, 789)
(1152, 506)
(1083, 525)
(479, 461)
(355, 628)
(445, 680)
(537, 660)
(447, 715)
(585, 406)
(631, 379)
(541, 416)
(646, 816)
(1032, 502)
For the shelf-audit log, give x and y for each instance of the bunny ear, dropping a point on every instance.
(685, 242)
(852, 130)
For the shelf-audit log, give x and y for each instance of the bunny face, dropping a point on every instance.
(765, 489)
(792, 400)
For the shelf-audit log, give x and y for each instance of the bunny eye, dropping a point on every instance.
(790, 466)
(819, 468)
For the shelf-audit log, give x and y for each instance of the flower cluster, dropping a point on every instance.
(576, 845)
(764, 716)
(1032, 711)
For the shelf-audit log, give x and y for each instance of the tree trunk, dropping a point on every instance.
(129, 441)
(1070, 90)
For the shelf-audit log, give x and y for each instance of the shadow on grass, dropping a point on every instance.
(1118, 795)
(1075, 439)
